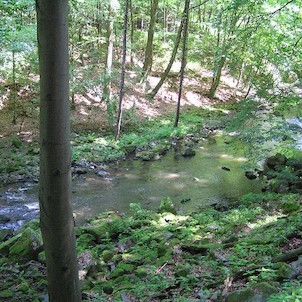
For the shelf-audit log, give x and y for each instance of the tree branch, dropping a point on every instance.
(280, 8)
(201, 4)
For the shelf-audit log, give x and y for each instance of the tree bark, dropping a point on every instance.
(56, 218)
(14, 121)
(183, 59)
(109, 55)
(131, 32)
(149, 48)
(217, 75)
(173, 56)
(123, 71)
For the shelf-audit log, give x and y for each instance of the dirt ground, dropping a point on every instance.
(90, 112)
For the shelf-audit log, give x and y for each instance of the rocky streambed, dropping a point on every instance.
(195, 172)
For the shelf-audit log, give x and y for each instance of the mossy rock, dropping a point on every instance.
(276, 161)
(130, 148)
(126, 267)
(166, 205)
(117, 273)
(5, 234)
(199, 248)
(125, 281)
(255, 293)
(280, 186)
(23, 287)
(188, 153)
(107, 287)
(42, 257)
(3, 260)
(134, 258)
(7, 293)
(92, 233)
(284, 271)
(34, 224)
(4, 219)
(182, 270)
(162, 249)
(161, 149)
(146, 155)
(6, 245)
(28, 245)
(289, 207)
(141, 271)
(107, 255)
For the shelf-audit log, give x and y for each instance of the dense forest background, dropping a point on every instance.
(248, 47)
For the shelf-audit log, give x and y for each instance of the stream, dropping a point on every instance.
(214, 175)
(296, 128)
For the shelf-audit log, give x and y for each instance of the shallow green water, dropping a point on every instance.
(200, 180)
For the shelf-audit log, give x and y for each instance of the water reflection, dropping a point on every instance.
(199, 179)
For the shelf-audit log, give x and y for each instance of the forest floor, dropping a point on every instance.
(90, 111)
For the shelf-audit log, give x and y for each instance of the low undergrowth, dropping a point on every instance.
(161, 256)
(20, 155)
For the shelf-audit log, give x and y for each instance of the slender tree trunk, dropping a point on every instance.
(248, 91)
(149, 48)
(173, 56)
(183, 59)
(97, 17)
(240, 74)
(165, 25)
(56, 217)
(131, 33)
(217, 76)
(119, 113)
(203, 14)
(14, 121)
(107, 81)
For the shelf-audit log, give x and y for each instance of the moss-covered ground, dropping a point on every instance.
(160, 256)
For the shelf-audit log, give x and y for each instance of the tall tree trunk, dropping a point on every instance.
(132, 23)
(168, 68)
(165, 25)
(56, 219)
(217, 75)
(149, 48)
(183, 58)
(14, 121)
(241, 70)
(123, 70)
(109, 55)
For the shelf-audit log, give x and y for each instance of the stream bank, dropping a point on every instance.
(211, 174)
(245, 254)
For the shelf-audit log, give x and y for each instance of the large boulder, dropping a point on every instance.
(251, 175)
(4, 219)
(189, 152)
(27, 246)
(297, 186)
(26, 243)
(276, 161)
(256, 293)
